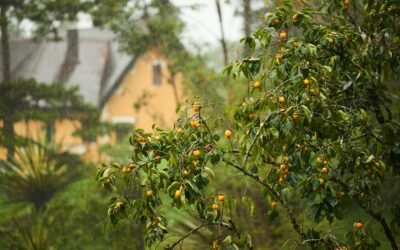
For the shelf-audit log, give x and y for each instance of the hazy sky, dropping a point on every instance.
(202, 23)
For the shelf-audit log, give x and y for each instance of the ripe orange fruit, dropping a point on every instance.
(185, 173)
(215, 245)
(274, 204)
(221, 197)
(149, 193)
(296, 116)
(124, 170)
(228, 134)
(177, 194)
(324, 170)
(215, 206)
(196, 107)
(358, 225)
(321, 181)
(118, 204)
(346, 4)
(281, 99)
(196, 153)
(195, 164)
(256, 85)
(283, 36)
(252, 117)
(325, 162)
(282, 166)
(194, 123)
(390, 8)
(140, 139)
(306, 81)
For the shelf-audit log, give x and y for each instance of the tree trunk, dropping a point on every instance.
(5, 43)
(222, 40)
(247, 22)
(139, 238)
(9, 135)
(5, 50)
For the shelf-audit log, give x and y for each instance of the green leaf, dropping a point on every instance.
(306, 112)
(272, 214)
(227, 240)
(274, 132)
(370, 158)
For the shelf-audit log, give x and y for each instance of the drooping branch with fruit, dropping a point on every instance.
(317, 125)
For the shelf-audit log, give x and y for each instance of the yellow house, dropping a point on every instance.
(127, 89)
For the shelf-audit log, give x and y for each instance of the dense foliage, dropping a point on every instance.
(318, 127)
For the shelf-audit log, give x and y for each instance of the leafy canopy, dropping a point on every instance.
(318, 125)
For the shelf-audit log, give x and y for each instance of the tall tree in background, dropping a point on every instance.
(144, 25)
(46, 17)
(221, 27)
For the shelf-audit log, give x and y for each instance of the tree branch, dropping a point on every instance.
(276, 195)
(247, 154)
(230, 227)
(378, 217)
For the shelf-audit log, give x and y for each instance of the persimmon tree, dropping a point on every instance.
(318, 126)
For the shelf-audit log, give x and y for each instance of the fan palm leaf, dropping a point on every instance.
(32, 176)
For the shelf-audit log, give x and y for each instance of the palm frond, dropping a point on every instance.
(31, 176)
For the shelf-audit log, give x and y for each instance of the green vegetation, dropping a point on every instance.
(316, 132)
(295, 146)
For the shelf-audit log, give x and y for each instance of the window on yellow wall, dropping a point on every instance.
(157, 78)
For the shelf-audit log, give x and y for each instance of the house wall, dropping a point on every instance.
(156, 103)
(63, 136)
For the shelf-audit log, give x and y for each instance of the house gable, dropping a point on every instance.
(141, 99)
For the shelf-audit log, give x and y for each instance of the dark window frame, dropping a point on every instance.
(157, 74)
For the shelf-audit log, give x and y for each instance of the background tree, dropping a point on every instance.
(25, 100)
(46, 17)
(318, 127)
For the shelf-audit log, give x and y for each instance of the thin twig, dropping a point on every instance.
(279, 198)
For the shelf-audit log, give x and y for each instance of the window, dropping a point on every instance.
(123, 125)
(157, 74)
